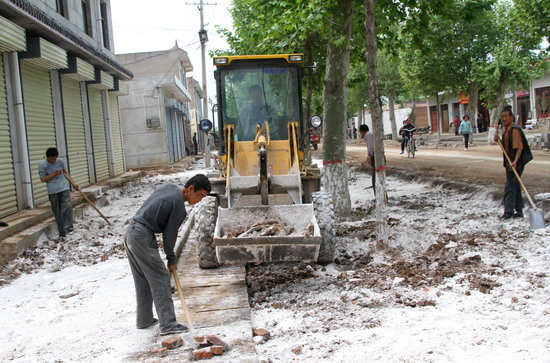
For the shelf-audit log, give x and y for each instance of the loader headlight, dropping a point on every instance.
(220, 61)
(315, 121)
(296, 58)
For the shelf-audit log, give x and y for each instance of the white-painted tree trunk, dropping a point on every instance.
(382, 227)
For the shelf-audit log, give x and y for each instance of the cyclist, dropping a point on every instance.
(406, 133)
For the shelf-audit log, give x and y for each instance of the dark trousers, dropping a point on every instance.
(151, 278)
(404, 143)
(196, 148)
(466, 137)
(63, 211)
(512, 192)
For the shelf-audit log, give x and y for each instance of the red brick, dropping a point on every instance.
(262, 333)
(204, 353)
(201, 341)
(172, 342)
(217, 349)
(215, 340)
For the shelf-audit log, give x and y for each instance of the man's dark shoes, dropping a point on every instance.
(154, 322)
(177, 329)
(518, 215)
(505, 217)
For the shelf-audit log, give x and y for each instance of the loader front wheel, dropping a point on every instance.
(324, 213)
(205, 221)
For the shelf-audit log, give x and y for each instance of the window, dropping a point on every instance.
(254, 95)
(87, 20)
(60, 7)
(105, 25)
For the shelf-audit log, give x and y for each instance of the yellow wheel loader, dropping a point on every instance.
(268, 206)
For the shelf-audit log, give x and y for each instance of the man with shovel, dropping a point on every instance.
(517, 149)
(52, 171)
(163, 212)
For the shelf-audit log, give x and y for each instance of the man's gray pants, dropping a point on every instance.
(151, 278)
(63, 211)
(512, 192)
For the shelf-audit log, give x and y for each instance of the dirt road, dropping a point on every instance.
(481, 165)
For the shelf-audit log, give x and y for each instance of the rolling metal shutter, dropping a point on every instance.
(74, 129)
(99, 139)
(37, 97)
(8, 194)
(116, 135)
(170, 137)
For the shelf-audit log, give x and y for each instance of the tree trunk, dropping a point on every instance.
(439, 118)
(360, 116)
(413, 111)
(382, 228)
(391, 98)
(309, 79)
(471, 107)
(496, 106)
(335, 175)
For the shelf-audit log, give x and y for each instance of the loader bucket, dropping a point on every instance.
(274, 233)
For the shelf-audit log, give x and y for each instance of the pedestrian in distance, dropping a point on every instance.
(195, 143)
(516, 146)
(456, 123)
(369, 140)
(163, 212)
(465, 130)
(52, 172)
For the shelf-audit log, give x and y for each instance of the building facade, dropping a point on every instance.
(195, 109)
(59, 84)
(156, 112)
(540, 99)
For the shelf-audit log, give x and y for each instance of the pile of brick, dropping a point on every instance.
(209, 346)
(540, 142)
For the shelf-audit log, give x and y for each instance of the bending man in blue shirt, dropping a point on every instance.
(163, 212)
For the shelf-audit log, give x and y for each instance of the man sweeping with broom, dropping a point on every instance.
(163, 212)
(516, 155)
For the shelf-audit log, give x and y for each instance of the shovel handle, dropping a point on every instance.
(182, 299)
(85, 197)
(517, 175)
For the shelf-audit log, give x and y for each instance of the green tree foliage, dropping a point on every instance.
(515, 59)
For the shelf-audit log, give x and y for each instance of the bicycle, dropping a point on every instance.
(411, 147)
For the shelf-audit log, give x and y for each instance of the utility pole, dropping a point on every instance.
(203, 36)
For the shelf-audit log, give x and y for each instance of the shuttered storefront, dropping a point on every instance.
(8, 196)
(170, 137)
(116, 135)
(99, 139)
(37, 96)
(74, 129)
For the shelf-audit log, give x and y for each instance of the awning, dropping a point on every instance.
(79, 70)
(44, 54)
(103, 80)
(120, 89)
(12, 36)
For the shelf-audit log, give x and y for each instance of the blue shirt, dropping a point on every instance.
(164, 212)
(57, 184)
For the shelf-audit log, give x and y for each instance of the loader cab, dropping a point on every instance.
(255, 89)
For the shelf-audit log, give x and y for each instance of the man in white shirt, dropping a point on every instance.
(369, 140)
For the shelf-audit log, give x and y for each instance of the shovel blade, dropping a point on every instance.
(536, 218)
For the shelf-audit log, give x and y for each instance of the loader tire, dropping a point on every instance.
(324, 213)
(205, 221)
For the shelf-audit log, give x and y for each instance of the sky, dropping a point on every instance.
(144, 26)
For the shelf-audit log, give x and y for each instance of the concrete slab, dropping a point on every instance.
(218, 300)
